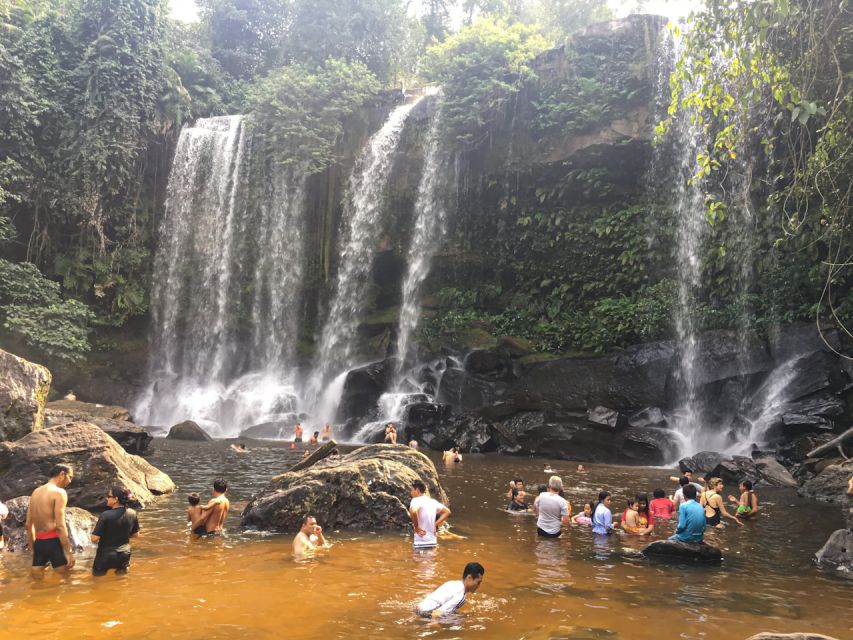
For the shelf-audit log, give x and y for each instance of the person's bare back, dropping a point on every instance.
(219, 507)
(47, 534)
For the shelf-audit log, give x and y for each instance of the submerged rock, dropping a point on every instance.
(675, 551)
(79, 523)
(23, 390)
(188, 430)
(366, 489)
(99, 463)
(837, 553)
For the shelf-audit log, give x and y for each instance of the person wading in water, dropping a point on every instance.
(303, 543)
(47, 534)
(116, 526)
(218, 507)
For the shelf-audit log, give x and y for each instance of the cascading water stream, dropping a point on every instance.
(212, 245)
(429, 229)
(363, 216)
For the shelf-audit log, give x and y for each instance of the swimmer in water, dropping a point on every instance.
(315, 438)
(309, 539)
(196, 516)
(581, 469)
(747, 505)
(548, 469)
(452, 455)
(450, 596)
(240, 448)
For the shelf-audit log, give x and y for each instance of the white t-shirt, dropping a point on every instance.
(678, 498)
(447, 599)
(427, 509)
(551, 509)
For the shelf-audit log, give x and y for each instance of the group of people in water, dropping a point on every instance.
(695, 505)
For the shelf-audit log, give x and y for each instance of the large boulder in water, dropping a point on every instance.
(23, 390)
(675, 551)
(837, 553)
(99, 462)
(701, 463)
(188, 430)
(363, 387)
(113, 419)
(830, 484)
(79, 523)
(366, 489)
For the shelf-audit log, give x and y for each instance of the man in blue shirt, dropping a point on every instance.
(691, 518)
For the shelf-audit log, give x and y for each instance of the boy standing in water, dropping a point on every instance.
(196, 516)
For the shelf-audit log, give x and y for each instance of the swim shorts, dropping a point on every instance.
(49, 552)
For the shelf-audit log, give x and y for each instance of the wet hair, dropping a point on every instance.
(473, 569)
(641, 498)
(193, 499)
(59, 468)
(684, 481)
(542, 488)
(747, 484)
(684, 472)
(306, 519)
(602, 496)
(419, 485)
(713, 482)
(517, 480)
(125, 497)
(316, 433)
(220, 486)
(659, 493)
(555, 483)
(590, 504)
(690, 491)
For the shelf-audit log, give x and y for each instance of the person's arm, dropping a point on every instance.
(443, 515)
(413, 516)
(59, 514)
(134, 531)
(536, 505)
(31, 529)
(673, 478)
(575, 518)
(734, 500)
(321, 541)
(725, 512)
(565, 516)
(211, 503)
(682, 523)
(608, 519)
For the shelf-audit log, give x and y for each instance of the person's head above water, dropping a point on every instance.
(659, 493)
(472, 576)
(746, 485)
(309, 524)
(684, 481)
(588, 508)
(688, 473)
(555, 484)
(642, 501)
(690, 491)
(61, 475)
(193, 499)
(604, 498)
(220, 486)
(418, 488)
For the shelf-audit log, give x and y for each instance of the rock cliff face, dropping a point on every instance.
(23, 391)
(79, 522)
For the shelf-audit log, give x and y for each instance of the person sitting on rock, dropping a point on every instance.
(309, 538)
(747, 504)
(413, 444)
(315, 438)
(326, 433)
(715, 508)
(115, 527)
(390, 434)
(70, 395)
(661, 507)
(691, 518)
(196, 516)
(450, 596)
(635, 521)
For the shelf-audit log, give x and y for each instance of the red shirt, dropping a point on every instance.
(662, 508)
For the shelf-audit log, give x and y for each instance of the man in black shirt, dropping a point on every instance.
(116, 526)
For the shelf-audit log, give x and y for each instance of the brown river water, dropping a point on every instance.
(247, 585)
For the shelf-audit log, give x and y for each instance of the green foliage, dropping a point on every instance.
(479, 69)
(298, 113)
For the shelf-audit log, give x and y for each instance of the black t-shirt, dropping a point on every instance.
(115, 526)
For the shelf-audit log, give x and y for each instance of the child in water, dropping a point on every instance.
(196, 516)
(585, 518)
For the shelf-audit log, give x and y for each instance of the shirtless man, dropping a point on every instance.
(47, 534)
(297, 433)
(326, 433)
(218, 507)
(302, 543)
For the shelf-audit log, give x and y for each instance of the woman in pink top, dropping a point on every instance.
(661, 506)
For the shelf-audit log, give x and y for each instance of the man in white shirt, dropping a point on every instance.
(552, 510)
(451, 595)
(427, 516)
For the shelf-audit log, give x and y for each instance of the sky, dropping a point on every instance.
(187, 11)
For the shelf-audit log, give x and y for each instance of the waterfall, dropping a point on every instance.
(214, 252)
(362, 224)
(428, 232)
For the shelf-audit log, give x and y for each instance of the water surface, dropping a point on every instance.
(247, 585)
